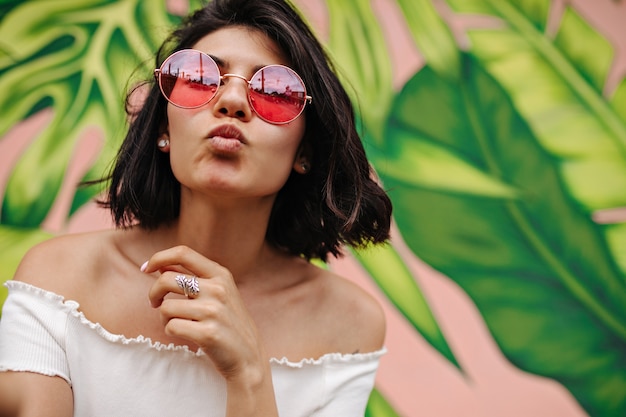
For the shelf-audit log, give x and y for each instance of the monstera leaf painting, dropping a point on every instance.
(500, 158)
(74, 59)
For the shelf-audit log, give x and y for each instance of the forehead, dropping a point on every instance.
(240, 46)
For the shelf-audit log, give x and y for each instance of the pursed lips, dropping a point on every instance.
(226, 139)
(227, 132)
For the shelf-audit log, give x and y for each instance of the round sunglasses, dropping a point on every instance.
(191, 78)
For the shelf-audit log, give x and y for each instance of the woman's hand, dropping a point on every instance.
(216, 319)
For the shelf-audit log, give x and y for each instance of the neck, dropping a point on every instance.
(230, 233)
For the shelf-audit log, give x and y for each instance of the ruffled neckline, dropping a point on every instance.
(71, 307)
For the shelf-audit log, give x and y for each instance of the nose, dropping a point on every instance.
(232, 97)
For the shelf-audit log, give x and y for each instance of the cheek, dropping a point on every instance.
(178, 119)
(178, 127)
(296, 133)
(279, 155)
(287, 149)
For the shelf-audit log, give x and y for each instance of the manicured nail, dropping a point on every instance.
(144, 267)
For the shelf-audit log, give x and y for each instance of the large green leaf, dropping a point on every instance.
(433, 37)
(379, 407)
(388, 270)
(529, 112)
(536, 266)
(618, 101)
(576, 39)
(75, 56)
(358, 46)
(558, 88)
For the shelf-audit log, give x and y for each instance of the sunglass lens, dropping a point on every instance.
(277, 94)
(189, 78)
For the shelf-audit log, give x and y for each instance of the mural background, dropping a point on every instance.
(499, 128)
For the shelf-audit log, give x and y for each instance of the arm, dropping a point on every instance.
(26, 394)
(31, 354)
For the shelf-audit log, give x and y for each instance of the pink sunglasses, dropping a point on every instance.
(191, 78)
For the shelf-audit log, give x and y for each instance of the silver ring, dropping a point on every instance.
(193, 287)
(190, 286)
(181, 280)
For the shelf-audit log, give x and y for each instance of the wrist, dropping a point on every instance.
(251, 393)
(248, 379)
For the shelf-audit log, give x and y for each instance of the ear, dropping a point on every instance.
(301, 166)
(302, 163)
(163, 142)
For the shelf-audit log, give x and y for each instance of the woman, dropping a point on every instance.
(242, 165)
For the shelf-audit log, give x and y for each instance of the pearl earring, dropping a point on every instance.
(304, 166)
(163, 143)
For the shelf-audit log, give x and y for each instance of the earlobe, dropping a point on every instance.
(301, 166)
(164, 142)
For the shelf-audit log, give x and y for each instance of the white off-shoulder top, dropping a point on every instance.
(112, 375)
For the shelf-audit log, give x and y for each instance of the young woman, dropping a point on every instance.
(242, 165)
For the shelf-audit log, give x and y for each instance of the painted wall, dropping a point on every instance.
(499, 128)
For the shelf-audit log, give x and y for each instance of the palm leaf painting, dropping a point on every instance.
(500, 154)
(73, 57)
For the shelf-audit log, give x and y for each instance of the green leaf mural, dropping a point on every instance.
(554, 305)
(355, 43)
(357, 46)
(526, 148)
(393, 277)
(75, 57)
(379, 407)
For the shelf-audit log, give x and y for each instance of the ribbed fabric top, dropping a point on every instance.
(112, 375)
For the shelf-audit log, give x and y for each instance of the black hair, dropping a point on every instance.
(337, 202)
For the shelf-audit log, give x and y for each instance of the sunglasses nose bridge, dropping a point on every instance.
(241, 77)
(233, 99)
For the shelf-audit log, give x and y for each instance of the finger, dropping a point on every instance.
(164, 285)
(183, 309)
(185, 329)
(183, 259)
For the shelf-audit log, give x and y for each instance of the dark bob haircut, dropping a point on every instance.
(337, 202)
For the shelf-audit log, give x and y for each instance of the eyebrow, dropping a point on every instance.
(222, 63)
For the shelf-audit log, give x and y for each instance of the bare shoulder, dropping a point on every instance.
(355, 316)
(58, 263)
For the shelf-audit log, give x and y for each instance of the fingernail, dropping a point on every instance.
(144, 267)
